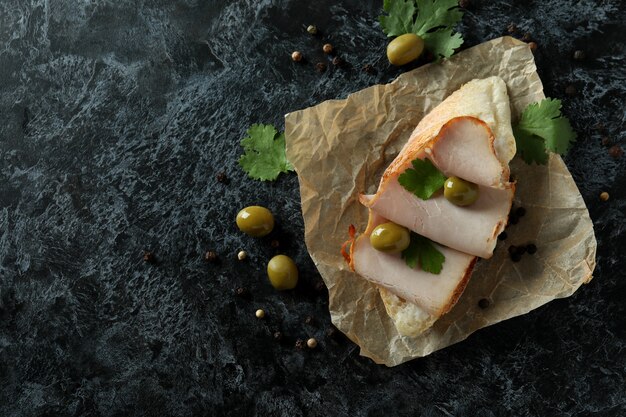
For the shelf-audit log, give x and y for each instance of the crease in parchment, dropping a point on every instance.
(339, 148)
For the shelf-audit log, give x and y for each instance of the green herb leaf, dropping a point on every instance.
(542, 128)
(264, 156)
(422, 251)
(400, 18)
(442, 43)
(434, 14)
(423, 180)
(531, 147)
(432, 20)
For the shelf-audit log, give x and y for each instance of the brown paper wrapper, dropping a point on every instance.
(340, 148)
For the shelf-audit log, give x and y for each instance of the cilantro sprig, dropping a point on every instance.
(264, 153)
(543, 128)
(422, 251)
(423, 180)
(432, 20)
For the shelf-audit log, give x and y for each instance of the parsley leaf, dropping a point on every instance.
(421, 250)
(432, 20)
(435, 14)
(542, 128)
(423, 180)
(264, 156)
(400, 18)
(442, 43)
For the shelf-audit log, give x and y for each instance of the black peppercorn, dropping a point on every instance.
(242, 292)
(221, 177)
(526, 37)
(513, 219)
(464, 3)
(616, 151)
(531, 248)
(369, 69)
(606, 141)
(275, 244)
(579, 55)
(338, 62)
(278, 336)
(502, 236)
(516, 257)
(521, 250)
(320, 67)
(210, 256)
(512, 28)
(320, 286)
(520, 212)
(571, 90)
(512, 249)
(331, 332)
(483, 303)
(309, 320)
(300, 344)
(148, 257)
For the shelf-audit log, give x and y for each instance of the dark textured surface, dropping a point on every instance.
(116, 118)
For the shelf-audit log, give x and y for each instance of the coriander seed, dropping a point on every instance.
(242, 255)
(296, 56)
(604, 196)
(327, 48)
(260, 313)
(311, 343)
(312, 29)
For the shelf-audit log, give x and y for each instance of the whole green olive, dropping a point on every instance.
(460, 192)
(390, 238)
(404, 49)
(282, 272)
(255, 221)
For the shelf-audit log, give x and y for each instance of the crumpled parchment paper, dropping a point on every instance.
(340, 148)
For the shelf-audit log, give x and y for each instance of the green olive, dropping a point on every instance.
(255, 221)
(282, 272)
(404, 49)
(460, 192)
(390, 238)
